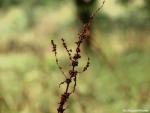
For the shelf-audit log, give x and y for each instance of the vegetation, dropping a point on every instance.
(118, 77)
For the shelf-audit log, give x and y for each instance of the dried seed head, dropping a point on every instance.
(78, 50)
(74, 63)
(68, 50)
(87, 65)
(76, 56)
(73, 73)
(53, 46)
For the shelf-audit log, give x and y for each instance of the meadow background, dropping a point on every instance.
(119, 73)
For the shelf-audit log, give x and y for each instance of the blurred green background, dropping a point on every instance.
(119, 73)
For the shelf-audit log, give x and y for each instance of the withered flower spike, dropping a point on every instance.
(86, 66)
(68, 50)
(54, 46)
(74, 62)
(56, 58)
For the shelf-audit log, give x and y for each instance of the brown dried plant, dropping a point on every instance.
(74, 59)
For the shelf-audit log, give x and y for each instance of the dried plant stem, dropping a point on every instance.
(74, 59)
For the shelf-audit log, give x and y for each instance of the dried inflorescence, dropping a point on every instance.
(74, 59)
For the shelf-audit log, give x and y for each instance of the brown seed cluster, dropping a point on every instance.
(74, 59)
